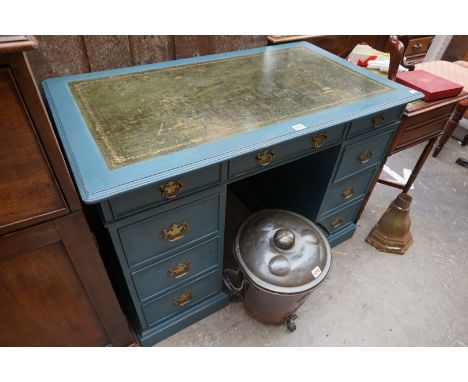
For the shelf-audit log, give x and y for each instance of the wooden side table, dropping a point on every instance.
(421, 122)
(456, 73)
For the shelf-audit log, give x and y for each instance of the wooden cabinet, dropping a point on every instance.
(54, 290)
(27, 185)
(417, 48)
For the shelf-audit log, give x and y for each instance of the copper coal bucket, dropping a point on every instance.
(282, 257)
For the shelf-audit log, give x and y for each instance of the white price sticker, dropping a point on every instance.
(298, 127)
(316, 271)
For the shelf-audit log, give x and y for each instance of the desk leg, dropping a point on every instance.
(419, 164)
(451, 125)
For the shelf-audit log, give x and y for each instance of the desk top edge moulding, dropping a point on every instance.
(233, 103)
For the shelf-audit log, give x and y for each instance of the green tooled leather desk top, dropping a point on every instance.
(141, 115)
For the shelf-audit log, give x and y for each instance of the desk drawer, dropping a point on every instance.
(169, 189)
(363, 154)
(168, 231)
(347, 191)
(419, 46)
(375, 121)
(274, 154)
(177, 269)
(181, 298)
(340, 218)
(421, 132)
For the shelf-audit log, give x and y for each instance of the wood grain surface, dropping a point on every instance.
(150, 49)
(107, 52)
(58, 56)
(190, 46)
(27, 186)
(64, 55)
(42, 298)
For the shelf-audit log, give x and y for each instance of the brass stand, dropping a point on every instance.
(392, 232)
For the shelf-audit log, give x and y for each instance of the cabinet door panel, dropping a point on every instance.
(54, 290)
(42, 299)
(28, 189)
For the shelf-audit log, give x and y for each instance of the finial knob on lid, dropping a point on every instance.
(284, 238)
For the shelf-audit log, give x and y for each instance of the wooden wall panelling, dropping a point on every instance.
(229, 43)
(64, 55)
(107, 52)
(190, 46)
(150, 49)
(58, 56)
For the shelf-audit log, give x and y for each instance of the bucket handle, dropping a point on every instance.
(235, 293)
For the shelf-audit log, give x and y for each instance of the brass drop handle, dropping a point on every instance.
(378, 120)
(319, 139)
(348, 192)
(336, 222)
(365, 155)
(265, 157)
(171, 189)
(417, 46)
(175, 231)
(180, 270)
(183, 299)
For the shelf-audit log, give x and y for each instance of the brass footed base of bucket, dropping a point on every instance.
(392, 232)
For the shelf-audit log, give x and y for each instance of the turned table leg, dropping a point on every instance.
(451, 125)
(419, 164)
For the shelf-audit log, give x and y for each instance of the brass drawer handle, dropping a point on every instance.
(183, 299)
(348, 192)
(175, 231)
(417, 46)
(365, 155)
(171, 189)
(265, 157)
(378, 120)
(336, 222)
(319, 139)
(180, 270)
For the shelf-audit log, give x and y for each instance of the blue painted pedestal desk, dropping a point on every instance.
(156, 147)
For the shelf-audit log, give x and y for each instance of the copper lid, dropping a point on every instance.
(282, 252)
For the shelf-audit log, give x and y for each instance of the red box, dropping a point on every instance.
(433, 87)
